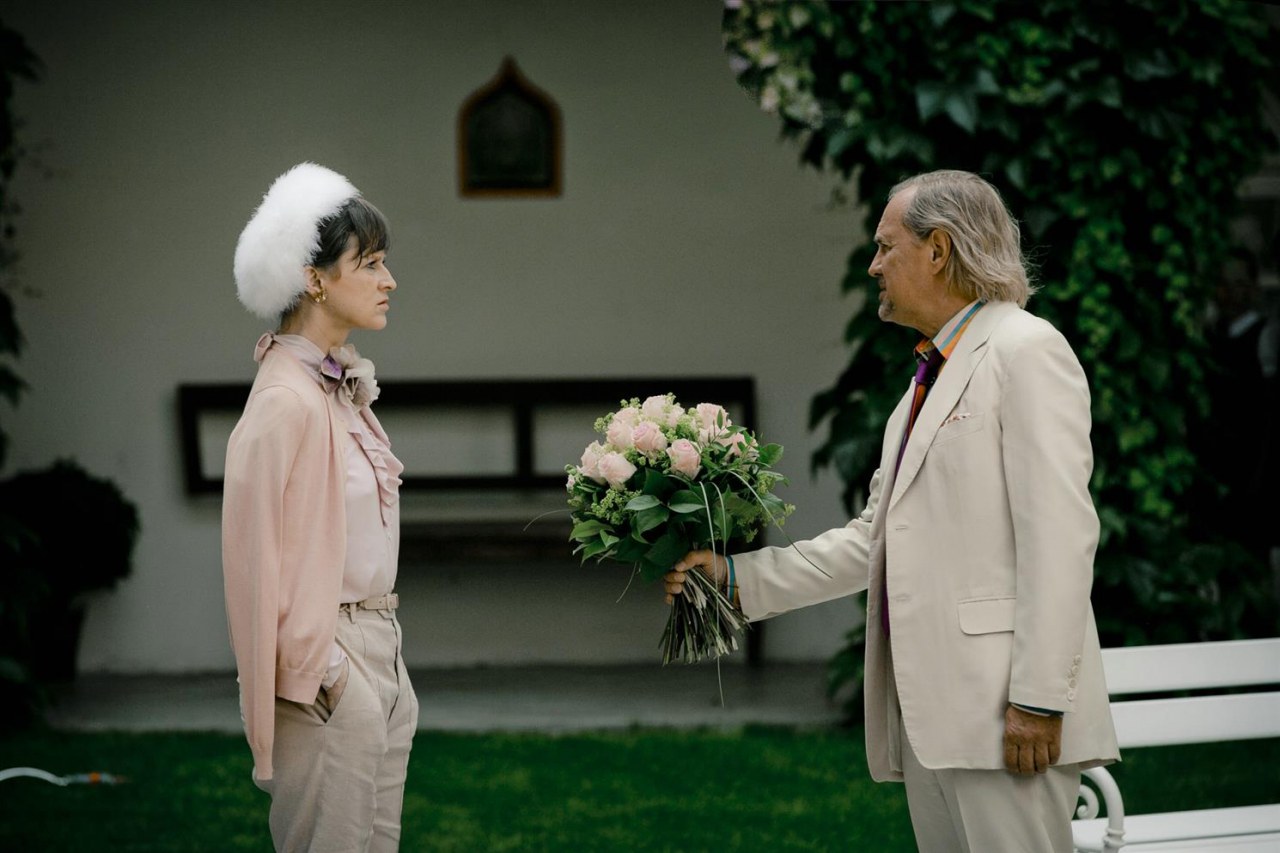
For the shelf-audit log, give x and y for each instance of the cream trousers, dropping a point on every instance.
(340, 762)
(983, 811)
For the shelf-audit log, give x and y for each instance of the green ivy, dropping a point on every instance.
(1118, 133)
(17, 62)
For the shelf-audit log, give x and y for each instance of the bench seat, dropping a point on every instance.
(1226, 715)
(1243, 829)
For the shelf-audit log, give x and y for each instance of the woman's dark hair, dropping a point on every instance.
(357, 218)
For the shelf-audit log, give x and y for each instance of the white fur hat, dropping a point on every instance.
(284, 235)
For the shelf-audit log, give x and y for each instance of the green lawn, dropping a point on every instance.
(760, 789)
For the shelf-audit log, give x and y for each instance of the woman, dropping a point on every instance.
(310, 526)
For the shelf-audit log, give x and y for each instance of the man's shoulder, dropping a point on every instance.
(1016, 327)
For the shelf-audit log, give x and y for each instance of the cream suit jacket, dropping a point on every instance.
(986, 538)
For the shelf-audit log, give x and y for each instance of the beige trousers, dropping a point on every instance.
(989, 811)
(340, 765)
(983, 811)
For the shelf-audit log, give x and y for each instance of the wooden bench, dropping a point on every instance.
(1211, 715)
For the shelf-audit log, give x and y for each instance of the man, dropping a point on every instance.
(984, 685)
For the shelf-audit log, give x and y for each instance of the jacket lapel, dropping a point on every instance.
(954, 378)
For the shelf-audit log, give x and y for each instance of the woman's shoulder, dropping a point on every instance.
(284, 396)
(282, 378)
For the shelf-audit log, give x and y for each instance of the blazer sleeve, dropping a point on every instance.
(775, 580)
(260, 458)
(1048, 461)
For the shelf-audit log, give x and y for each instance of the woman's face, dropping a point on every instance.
(358, 289)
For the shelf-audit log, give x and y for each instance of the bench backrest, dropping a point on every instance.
(1194, 666)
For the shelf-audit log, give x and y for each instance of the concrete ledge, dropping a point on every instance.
(530, 698)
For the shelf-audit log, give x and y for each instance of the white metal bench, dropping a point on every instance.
(1196, 719)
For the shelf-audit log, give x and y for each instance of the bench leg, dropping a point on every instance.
(1113, 838)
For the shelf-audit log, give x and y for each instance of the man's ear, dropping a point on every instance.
(939, 249)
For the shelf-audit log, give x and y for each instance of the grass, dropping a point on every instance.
(759, 789)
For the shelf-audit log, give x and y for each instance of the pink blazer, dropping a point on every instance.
(284, 535)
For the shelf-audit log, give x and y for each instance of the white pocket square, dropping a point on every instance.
(958, 416)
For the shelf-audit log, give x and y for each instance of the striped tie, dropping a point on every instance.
(926, 373)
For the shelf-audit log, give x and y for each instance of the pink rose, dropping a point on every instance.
(591, 462)
(615, 469)
(712, 420)
(655, 408)
(619, 434)
(685, 458)
(674, 414)
(629, 415)
(648, 438)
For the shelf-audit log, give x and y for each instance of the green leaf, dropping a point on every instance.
(930, 97)
(770, 454)
(656, 483)
(686, 501)
(962, 107)
(593, 549)
(642, 502)
(584, 530)
(668, 549)
(650, 518)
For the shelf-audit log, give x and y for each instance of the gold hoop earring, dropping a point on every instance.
(320, 298)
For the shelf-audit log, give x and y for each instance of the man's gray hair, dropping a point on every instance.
(986, 259)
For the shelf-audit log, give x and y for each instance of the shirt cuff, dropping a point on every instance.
(336, 658)
(1039, 712)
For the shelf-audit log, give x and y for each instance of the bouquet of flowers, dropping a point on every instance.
(668, 480)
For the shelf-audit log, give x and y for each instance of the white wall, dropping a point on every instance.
(688, 240)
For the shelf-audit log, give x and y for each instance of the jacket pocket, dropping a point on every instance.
(961, 423)
(986, 615)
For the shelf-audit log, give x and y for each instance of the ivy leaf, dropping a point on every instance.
(962, 108)
(11, 385)
(940, 13)
(930, 98)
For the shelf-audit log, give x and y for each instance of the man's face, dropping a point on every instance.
(903, 266)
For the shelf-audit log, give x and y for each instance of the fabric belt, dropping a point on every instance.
(390, 601)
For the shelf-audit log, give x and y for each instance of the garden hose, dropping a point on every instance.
(62, 781)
